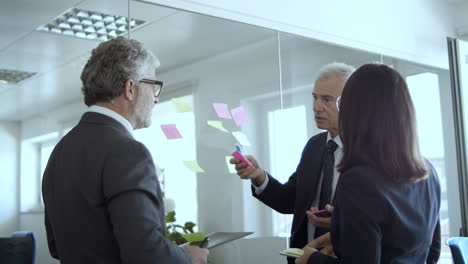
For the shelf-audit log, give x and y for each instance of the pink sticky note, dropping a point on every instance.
(171, 131)
(222, 110)
(239, 115)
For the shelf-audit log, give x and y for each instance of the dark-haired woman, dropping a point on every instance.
(388, 197)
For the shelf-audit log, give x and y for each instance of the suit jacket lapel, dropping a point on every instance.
(316, 169)
(311, 176)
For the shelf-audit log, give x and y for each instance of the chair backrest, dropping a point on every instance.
(459, 248)
(20, 248)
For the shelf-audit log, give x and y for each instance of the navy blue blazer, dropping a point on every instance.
(379, 221)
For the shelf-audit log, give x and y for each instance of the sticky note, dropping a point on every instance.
(222, 110)
(193, 165)
(241, 138)
(217, 125)
(231, 167)
(239, 115)
(171, 131)
(181, 105)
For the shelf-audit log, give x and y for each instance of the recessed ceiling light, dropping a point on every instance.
(90, 25)
(13, 76)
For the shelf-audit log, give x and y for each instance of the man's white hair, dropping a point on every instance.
(338, 70)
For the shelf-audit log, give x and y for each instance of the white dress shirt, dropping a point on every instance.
(112, 114)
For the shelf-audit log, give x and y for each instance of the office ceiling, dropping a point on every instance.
(177, 37)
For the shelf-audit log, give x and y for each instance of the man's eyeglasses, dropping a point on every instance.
(338, 101)
(158, 85)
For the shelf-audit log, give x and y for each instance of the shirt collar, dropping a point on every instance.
(112, 114)
(337, 140)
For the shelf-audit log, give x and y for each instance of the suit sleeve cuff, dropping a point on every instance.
(319, 257)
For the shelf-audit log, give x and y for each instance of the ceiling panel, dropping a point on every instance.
(138, 10)
(21, 17)
(177, 37)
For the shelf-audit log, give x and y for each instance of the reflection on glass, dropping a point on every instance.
(424, 90)
(239, 67)
(287, 130)
(178, 182)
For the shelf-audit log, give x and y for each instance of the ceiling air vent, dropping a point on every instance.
(90, 25)
(12, 76)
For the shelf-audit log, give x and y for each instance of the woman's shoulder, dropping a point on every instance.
(362, 173)
(365, 180)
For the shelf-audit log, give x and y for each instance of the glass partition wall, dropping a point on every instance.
(228, 84)
(268, 76)
(265, 77)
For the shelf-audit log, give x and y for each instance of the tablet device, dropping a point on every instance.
(219, 238)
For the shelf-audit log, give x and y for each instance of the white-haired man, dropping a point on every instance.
(311, 187)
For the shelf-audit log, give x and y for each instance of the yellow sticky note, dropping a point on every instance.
(217, 125)
(231, 167)
(241, 138)
(193, 165)
(181, 105)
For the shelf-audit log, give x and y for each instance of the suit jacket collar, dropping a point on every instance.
(97, 118)
(111, 113)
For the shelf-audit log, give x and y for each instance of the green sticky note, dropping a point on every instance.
(194, 237)
(193, 165)
(181, 105)
(241, 138)
(217, 125)
(231, 167)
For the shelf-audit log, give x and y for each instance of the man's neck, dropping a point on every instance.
(333, 132)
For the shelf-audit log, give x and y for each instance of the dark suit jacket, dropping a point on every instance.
(103, 203)
(296, 195)
(379, 221)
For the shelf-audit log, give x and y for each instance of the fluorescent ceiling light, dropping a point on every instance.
(13, 76)
(90, 25)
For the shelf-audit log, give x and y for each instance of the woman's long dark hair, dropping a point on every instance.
(378, 125)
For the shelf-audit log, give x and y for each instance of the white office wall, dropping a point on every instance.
(9, 150)
(55, 119)
(413, 30)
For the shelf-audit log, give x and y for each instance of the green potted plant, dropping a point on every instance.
(178, 234)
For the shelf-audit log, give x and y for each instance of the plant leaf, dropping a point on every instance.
(170, 217)
(189, 226)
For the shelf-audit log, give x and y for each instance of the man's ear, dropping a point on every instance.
(130, 90)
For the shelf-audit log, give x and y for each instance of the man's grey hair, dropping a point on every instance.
(335, 70)
(111, 64)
